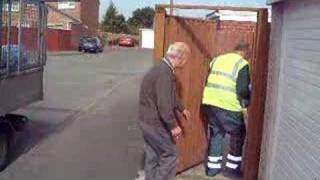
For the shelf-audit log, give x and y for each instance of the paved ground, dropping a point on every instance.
(85, 127)
(198, 173)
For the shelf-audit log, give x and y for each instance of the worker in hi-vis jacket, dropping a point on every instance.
(226, 94)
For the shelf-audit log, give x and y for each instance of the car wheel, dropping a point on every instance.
(4, 150)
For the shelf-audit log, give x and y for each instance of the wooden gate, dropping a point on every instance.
(208, 39)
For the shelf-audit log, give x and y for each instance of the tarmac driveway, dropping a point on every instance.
(85, 128)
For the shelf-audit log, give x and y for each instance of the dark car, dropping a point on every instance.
(91, 44)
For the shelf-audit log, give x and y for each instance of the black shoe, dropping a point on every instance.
(212, 173)
(230, 173)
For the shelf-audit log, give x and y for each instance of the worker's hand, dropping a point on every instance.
(176, 132)
(186, 114)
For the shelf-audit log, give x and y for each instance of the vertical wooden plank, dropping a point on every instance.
(273, 94)
(159, 31)
(256, 110)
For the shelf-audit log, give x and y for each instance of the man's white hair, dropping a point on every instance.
(177, 50)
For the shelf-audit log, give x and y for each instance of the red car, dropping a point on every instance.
(126, 41)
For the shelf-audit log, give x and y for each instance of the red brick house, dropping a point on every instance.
(65, 13)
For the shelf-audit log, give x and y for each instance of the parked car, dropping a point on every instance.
(127, 41)
(82, 41)
(91, 44)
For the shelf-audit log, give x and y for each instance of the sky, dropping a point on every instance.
(127, 6)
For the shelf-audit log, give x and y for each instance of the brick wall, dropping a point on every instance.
(237, 26)
(90, 15)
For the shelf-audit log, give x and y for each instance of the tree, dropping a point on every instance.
(120, 24)
(141, 18)
(113, 21)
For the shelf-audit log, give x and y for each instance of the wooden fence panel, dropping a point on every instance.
(59, 40)
(191, 83)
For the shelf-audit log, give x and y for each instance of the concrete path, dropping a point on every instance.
(198, 173)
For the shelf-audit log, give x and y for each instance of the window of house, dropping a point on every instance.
(66, 5)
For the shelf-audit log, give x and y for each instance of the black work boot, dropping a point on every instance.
(232, 173)
(212, 172)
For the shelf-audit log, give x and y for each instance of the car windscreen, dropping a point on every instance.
(91, 40)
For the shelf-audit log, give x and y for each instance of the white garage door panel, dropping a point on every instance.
(298, 34)
(298, 145)
(303, 75)
(147, 38)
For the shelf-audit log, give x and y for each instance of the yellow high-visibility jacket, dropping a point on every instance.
(220, 90)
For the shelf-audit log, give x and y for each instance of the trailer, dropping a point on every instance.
(23, 26)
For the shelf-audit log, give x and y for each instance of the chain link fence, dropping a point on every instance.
(23, 27)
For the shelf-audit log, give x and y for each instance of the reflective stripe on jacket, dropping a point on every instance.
(220, 90)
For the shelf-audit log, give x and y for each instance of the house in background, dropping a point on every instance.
(227, 15)
(65, 13)
(69, 20)
(291, 143)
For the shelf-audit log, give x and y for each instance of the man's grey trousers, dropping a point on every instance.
(160, 153)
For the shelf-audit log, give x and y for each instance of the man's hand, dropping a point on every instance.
(176, 132)
(186, 114)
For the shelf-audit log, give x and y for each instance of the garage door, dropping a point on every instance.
(297, 147)
(147, 38)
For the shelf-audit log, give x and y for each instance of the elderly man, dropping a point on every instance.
(158, 106)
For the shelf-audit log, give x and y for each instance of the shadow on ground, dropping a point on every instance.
(38, 130)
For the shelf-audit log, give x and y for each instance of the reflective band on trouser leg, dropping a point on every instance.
(234, 158)
(214, 165)
(214, 162)
(233, 161)
(232, 165)
(215, 159)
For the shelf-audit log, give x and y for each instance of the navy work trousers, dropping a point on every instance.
(222, 122)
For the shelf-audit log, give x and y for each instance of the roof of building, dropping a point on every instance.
(273, 1)
(225, 15)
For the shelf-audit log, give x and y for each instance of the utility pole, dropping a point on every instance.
(171, 7)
